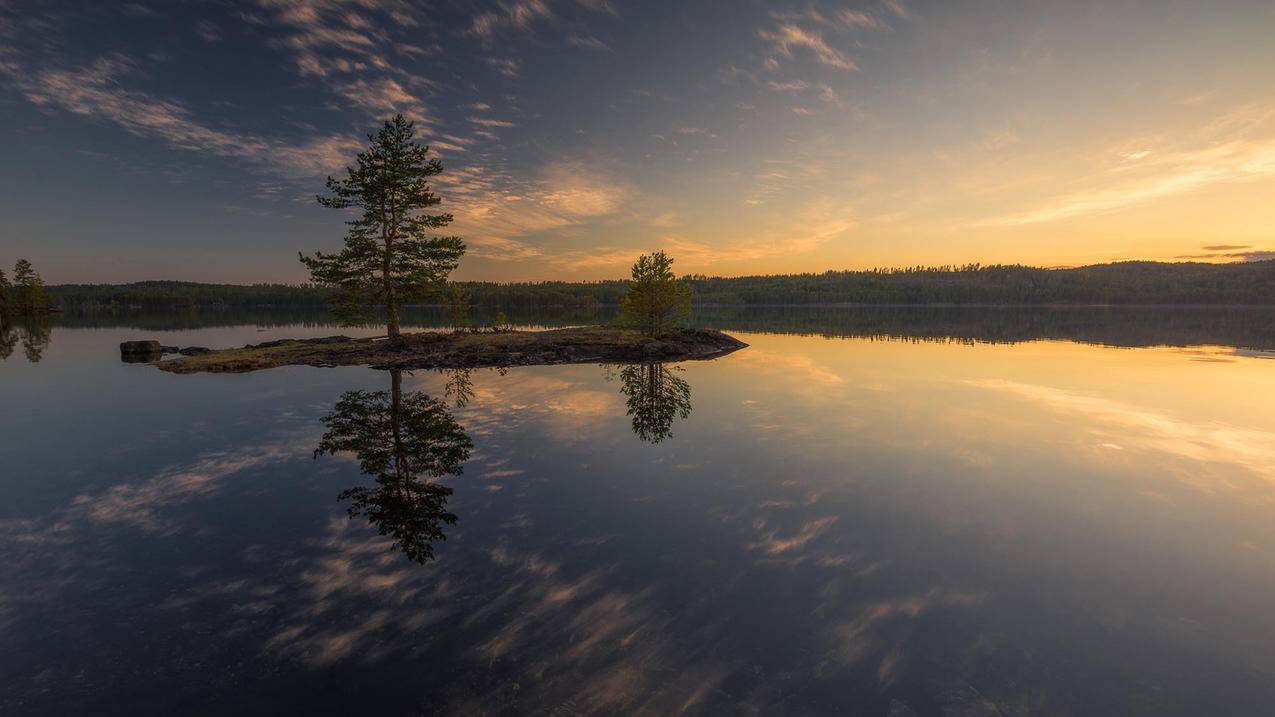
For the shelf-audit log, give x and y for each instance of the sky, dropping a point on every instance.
(187, 139)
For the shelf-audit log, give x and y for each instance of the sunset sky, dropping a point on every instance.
(186, 140)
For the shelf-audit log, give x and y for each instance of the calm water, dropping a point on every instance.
(887, 512)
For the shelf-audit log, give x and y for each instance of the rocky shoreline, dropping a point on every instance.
(434, 350)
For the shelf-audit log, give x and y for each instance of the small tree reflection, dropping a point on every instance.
(408, 443)
(656, 398)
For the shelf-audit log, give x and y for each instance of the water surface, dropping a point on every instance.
(865, 512)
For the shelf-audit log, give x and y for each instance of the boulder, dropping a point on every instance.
(140, 348)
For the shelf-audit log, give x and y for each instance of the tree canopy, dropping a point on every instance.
(390, 255)
(655, 301)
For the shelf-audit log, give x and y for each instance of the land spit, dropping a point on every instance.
(460, 349)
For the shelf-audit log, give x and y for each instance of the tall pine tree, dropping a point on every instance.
(390, 255)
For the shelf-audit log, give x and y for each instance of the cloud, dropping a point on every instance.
(898, 8)
(208, 30)
(94, 91)
(809, 228)
(858, 18)
(349, 48)
(787, 37)
(520, 15)
(1227, 252)
(494, 210)
(588, 42)
(1171, 174)
(485, 122)
(507, 66)
(383, 96)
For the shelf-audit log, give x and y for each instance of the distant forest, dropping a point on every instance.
(1127, 283)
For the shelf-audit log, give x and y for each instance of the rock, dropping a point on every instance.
(168, 349)
(140, 348)
(194, 351)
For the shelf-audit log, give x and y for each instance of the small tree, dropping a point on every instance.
(28, 292)
(655, 300)
(389, 255)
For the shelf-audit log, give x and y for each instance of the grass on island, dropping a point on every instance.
(458, 349)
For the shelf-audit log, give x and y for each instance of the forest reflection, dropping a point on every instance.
(34, 336)
(408, 443)
(655, 397)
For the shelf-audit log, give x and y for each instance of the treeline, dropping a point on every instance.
(1134, 282)
(169, 294)
(1127, 283)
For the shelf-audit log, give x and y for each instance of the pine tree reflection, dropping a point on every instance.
(408, 443)
(656, 398)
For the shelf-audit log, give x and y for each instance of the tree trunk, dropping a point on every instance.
(391, 301)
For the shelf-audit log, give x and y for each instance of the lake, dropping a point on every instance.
(867, 511)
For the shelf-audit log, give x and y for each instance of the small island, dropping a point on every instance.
(461, 349)
(391, 256)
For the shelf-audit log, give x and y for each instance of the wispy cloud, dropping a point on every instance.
(507, 66)
(789, 86)
(1236, 147)
(787, 37)
(95, 91)
(496, 211)
(349, 49)
(1179, 174)
(1230, 252)
(488, 122)
(588, 42)
(810, 227)
(520, 14)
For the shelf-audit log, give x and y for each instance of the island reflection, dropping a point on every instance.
(408, 443)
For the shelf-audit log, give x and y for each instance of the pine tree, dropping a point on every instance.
(655, 300)
(390, 256)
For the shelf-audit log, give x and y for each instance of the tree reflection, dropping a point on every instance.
(33, 335)
(408, 443)
(656, 398)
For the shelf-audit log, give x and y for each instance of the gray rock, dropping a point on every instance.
(143, 348)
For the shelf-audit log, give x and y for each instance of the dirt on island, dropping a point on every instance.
(463, 349)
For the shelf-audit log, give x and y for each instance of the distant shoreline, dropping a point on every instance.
(1100, 285)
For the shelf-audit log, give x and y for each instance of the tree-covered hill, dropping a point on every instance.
(1126, 283)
